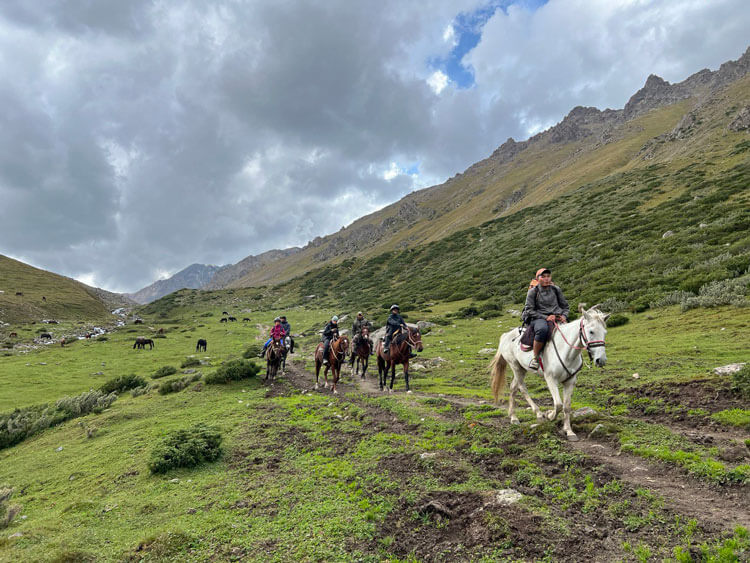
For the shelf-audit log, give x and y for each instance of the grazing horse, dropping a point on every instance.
(233, 319)
(138, 322)
(224, 313)
(336, 357)
(45, 335)
(245, 320)
(274, 355)
(223, 320)
(201, 346)
(362, 351)
(560, 363)
(13, 335)
(141, 343)
(399, 352)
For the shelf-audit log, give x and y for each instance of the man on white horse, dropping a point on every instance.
(545, 303)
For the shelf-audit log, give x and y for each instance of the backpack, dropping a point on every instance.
(526, 314)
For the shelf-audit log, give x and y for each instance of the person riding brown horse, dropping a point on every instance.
(274, 353)
(336, 357)
(362, 352)
(399, 352)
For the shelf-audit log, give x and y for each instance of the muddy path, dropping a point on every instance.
(716, 508)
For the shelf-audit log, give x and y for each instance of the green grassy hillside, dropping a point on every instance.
(45, 296)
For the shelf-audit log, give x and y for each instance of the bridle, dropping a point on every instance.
(587, 345)
(339, 355)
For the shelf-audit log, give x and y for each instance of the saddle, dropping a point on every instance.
(526, 341)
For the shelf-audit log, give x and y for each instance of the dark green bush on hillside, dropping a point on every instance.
(123, 383)
(252, 351)
(164, 372)
(177, 385)
(186, 448)
(190, 362)
(741, 382)
(617, 320)
(233, 371)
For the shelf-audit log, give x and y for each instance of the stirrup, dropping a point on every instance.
(534, 363)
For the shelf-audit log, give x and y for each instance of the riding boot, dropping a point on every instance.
(534, 363)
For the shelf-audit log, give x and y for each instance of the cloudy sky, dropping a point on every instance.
(138, 137)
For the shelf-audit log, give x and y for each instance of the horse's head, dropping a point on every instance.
(593, 330)
(343, 343)
(415, 339)
(365, 332)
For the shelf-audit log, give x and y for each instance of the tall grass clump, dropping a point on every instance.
(233, 371)
(122, 383)
(253, 351)
(186, 448)
(177, 385)
(741, 381)
(190, 362)
(22, 423)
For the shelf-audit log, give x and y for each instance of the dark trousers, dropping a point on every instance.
(326, 347)
(542, 329)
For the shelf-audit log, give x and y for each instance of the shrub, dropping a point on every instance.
(22, 423)
(741, 381)
(7, 511)
(176, 385)
(101, 338)
(164, 372)
(672, 298)
(122, 383)
(617, 320)
(723, 292)
(190, 362)
(252, 351)
(614, 305)
(233, 371)
(186, 448)
(138, 391)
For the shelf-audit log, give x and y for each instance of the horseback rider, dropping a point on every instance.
(359, 323)
(545, 305)
(393, 326)
(288, 331)
(277, 333)
(330, 332)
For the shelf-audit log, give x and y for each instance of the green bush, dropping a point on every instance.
(122, 383)
(186, 448)
(7, 511)
(741, 381)
(164, 372)
(177, 385)
(252, 351)
(22, 423)
(190, 362)
(617, 320)
(233, 371)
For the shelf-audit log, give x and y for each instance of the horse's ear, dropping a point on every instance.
(606, 317)
(582, 308)
(595, 306)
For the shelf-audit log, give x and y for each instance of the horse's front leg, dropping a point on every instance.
(335, 374)
(525, 392)
(366, 362)
(317, 373)
(568, 387)
(557, 402)
(406, 376)
(392, 367)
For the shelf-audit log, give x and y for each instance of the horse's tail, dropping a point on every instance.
(497, 369)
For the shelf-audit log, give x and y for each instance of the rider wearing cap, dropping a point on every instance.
(545, 303)
(394, 323)
(277, 333)
(330, 332)
(359, 323)
(288, 332)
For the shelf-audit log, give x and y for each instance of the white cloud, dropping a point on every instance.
(392, 172)
(449, 35)
(438, 81)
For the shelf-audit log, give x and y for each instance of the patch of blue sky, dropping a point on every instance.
(467, 32)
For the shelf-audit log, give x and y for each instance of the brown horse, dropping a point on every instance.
(141, 343)
(274, 353)
(401, 345)
(362, 351)
(336, 357)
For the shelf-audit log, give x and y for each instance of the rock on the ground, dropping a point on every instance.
(598, 430)
(729, 369)
(506, 497)
(427, 455)
(585, 411)
(487, 351)
(667, 234)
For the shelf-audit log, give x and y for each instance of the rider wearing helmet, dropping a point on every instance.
(277, 332)
(330, 332)
(545, 303)
(288, 331)
(359, 323)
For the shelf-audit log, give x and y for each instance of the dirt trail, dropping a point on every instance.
(720, 508)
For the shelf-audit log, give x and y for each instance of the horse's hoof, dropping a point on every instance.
(316, 387)
(572, 438)
(335, 392)
(390, 390)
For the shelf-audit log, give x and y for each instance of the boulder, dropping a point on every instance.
(729, 369)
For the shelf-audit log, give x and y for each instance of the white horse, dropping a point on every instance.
(561, 360)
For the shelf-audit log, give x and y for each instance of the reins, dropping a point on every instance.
(588, 344)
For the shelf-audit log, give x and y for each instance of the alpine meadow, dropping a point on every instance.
(113, 449)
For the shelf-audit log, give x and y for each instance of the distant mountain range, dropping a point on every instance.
(194, 276)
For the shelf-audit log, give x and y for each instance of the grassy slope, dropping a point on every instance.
(545, 171)
(67, 299)
(302, 476)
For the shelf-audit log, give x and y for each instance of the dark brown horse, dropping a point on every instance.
(336, 357)
(202, 345)
(362, 351)
(274, 354)
(401, 346)
(141, 343)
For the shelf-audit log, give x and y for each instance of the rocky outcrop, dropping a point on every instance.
(228, 274)
(742, 121)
